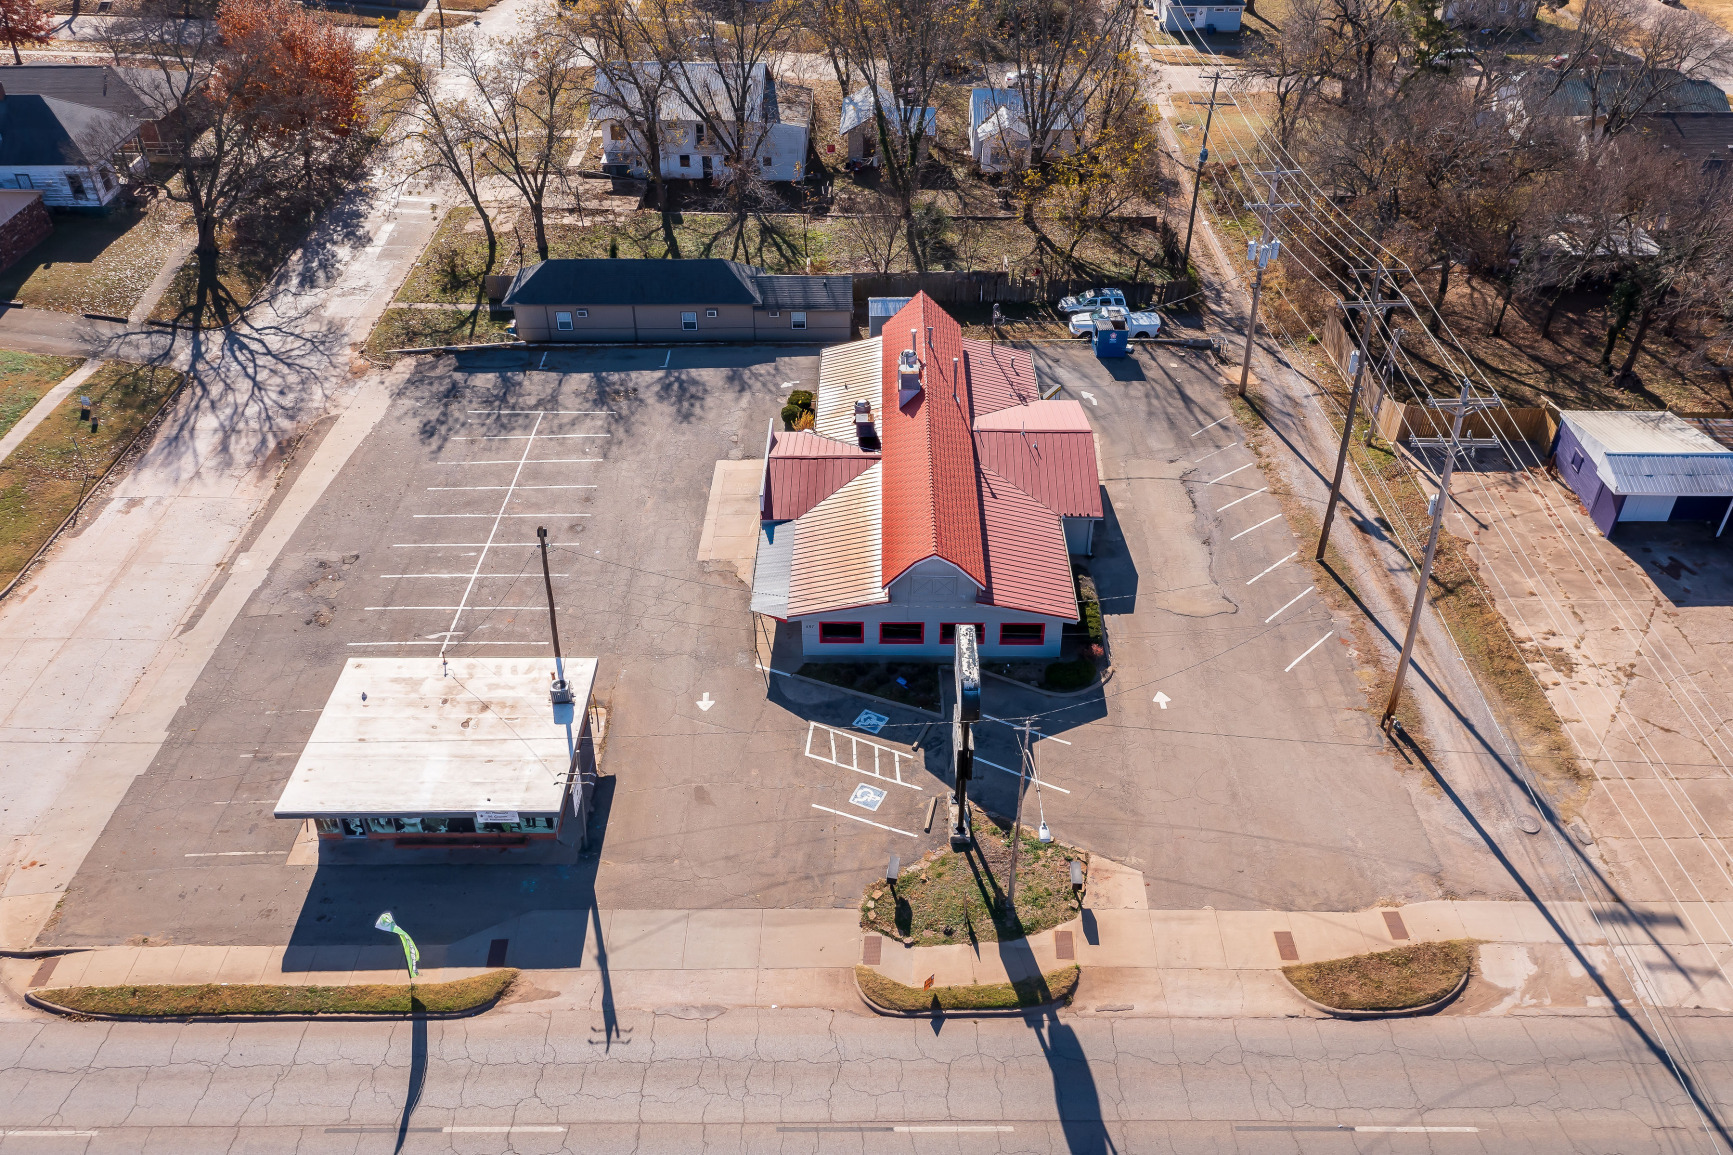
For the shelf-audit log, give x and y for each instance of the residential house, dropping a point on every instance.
(999, 133)
(143, 94)
(656, 301)
(1644, 466)
(1500, 14)
(778, 132)
(1181, 17)
(935, 488)
(75, 154)
(858, 125)
(1615, 90)
(1704, 137)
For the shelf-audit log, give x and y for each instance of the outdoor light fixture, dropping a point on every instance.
(1044, 834)
(1076, 875)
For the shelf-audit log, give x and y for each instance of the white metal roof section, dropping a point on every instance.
(837, 552)
(482, 738)
(847, 373)
(1653, 452)
(772, 567)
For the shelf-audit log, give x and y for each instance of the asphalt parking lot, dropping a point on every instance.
(720, 790)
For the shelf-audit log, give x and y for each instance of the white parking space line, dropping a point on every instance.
(233, 853)
(1046, 785)
(493, 533)
(526, 436)
(853, 818)
(531, 461)
(479, 488)
(442, 643)
(1273, 568)
(855, 742)
(541, 412)
(1260, 525)
(1018, 726)
(1297, 597)
(452, 607)
(457, 544)
(1212, 425)
(1231, 472)
(463, 575)
(1308, 652)
(1247, 497)
(1213, 452)
(549, 515)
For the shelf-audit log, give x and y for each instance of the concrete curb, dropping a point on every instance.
(858, 693)
(1100, 682)
(1006, 1013)
(1405, 1013)
(66, 1012)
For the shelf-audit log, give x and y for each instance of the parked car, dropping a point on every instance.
(1138, 325)
(1094, 299)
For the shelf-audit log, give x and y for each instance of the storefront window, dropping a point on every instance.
(328, 825)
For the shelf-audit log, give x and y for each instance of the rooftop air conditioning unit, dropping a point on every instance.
(908, 377)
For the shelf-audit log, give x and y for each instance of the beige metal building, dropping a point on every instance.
(660, 302)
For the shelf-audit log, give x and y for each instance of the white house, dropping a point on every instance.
(999, 133)
(73, 153)
(935, 489)
(778, 131)
(859, 130)
(1181, 17)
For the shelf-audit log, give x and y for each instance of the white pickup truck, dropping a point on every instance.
(1094, 299)
(1136, 324)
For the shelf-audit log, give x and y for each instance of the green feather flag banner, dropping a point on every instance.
(410, 954)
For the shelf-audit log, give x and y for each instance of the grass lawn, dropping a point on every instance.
(419, 328)
(24, 378)
(1054, 986)
(963, 893)
(911, 683)
(247, 999)
(44, 479)
(93, 264)
(1391, 980)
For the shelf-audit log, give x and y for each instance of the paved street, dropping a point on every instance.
(697, 1079)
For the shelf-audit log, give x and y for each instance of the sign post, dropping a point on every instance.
(966, 710)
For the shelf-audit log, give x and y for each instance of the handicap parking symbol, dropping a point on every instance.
(867, 797)
(870, 722)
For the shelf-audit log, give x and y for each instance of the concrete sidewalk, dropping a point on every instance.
(1154, 962)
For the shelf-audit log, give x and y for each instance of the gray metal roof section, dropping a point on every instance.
(44, 130)
(858, 109)
(610, 281)
(886, 306)
(770, 573)
(833, 292)
(1652, 452)
(92, 85)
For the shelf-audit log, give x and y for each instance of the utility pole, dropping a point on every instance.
(1370, 307)
(560, 692)
(1215, 78)
(1462, 406)
(965, 710)
(1384, 375)
(1262, 251)
(1025, 771)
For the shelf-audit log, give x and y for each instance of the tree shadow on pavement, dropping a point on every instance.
(1075, 1097)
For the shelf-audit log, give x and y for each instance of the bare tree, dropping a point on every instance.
(526, 108)
(874, 228)
(1064, 58)
(634, 85)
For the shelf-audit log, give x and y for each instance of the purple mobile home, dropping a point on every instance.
(1644, 466)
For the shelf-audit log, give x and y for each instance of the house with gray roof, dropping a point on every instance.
(660, 301)
(696, 101)
(1644, 466)
(858, 127)
(76, 154)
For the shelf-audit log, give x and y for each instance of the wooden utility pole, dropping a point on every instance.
(1214, 78)
(1370, 307)
(1462, 406)
(1262, 252)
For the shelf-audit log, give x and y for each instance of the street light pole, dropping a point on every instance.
(561, 693)
(1264, 250)
(1202, 158)
(1024, 771)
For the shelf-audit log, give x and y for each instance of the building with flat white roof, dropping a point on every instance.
(470, 751)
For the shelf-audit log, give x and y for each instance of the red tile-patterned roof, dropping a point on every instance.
(999, 376)
(931, 503)
(1057, 469)
(1027, 563)
(804, 469)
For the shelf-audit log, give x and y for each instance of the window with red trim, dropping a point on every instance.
(902, 633)
(841, 632)
(948, 632)
(1022, 633)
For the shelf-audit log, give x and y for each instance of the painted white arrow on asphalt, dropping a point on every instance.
(1089, 397)
(705, 702)
(1161, 699)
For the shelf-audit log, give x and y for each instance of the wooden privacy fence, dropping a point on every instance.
(987, 287)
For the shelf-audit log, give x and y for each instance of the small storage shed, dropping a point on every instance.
(860, 133)
(1644, 466)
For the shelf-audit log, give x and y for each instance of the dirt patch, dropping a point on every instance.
(1391, 980)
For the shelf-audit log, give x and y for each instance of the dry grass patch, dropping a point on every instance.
(400, 328)
(97, 264)
(48, 474)
(24, 378)
(249, 999)
(1391, 980)
(1054, 986)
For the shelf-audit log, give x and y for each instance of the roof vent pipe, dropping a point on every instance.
(956, 364)
(908, 377)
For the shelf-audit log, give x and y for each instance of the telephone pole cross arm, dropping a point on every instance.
(1370, 308)
(1463, 406)
(1262, 252)
(1214, 79)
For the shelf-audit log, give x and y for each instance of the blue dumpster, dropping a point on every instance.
(1111, 337)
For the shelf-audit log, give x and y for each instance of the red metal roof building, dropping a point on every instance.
(959, 499)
